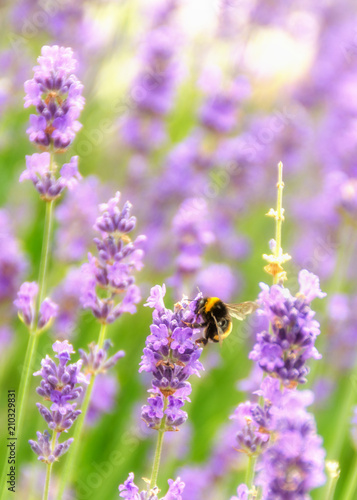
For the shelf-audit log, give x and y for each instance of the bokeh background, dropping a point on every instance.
(190, 105)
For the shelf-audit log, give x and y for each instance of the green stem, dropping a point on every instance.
(331, 486)
(250, 473)
(345, 253)
(157, 457)
(49, 470)
(72, 454)
(34, 335)
(45, 254)
(341, 423)
(341, 426)
(351, 483)
(102, 332)
(25, 380)
(279, 215)
(47, 483)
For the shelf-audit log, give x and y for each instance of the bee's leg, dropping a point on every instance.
(202, 340)
(194, 325)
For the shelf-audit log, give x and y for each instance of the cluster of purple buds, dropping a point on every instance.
(43, 447)
(112, 271)
(96, 360)
(253, 423)
(60, 384)
(26, 306)
(42, 172)
(56, 93)
(172, 356)
(288, 340)
(130, 491)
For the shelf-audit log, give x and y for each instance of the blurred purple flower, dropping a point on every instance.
(130, 491)
(252, 421)
(103, 398)
(12, 261)
(96, 360)
(342, 313)
(153, 89)
(26, 303)
(48, 311)
(294, 462)
(6, 340)
(265, 13)
(218, 280)
(70, 174)
(219, 111)
(142, 136)
(242, 493)
(67, 296)
(193, 234)
(76, 216)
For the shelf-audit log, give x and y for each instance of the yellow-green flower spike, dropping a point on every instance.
(277, 258)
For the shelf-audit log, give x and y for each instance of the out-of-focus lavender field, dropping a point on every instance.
(139, 151)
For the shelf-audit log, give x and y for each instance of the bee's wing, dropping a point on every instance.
(240, 311)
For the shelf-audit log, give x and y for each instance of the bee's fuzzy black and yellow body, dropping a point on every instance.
(217, 317)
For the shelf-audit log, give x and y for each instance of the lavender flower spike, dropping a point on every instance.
(113, 269)
(284, 352)
(172, 356)
(60, 384)
(56, 93)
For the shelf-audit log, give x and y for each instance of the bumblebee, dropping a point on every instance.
(217, 317)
